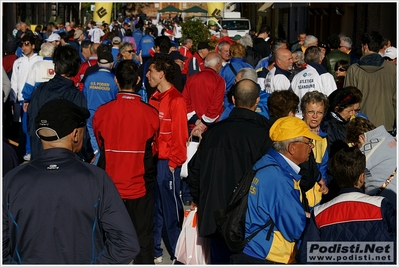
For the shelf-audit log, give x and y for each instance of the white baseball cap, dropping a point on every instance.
(54, 37)
(391, 52)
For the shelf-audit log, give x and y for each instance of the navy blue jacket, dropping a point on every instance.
(351, 216)
(56, 88)
(60, 210)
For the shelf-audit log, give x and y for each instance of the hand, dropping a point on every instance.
(25, 107)
(93, 159)
(323, 187)
(307, 214)
(172, 170)
(180, 63)
(193, 206)
(198, 129)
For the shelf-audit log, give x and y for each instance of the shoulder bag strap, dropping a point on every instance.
(384, 185)
(233, 69)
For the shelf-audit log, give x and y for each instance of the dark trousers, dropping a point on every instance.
(185, 190)
(220, 253)
(168, 209)
(141, 213)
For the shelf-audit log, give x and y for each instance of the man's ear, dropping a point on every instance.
(138, 79)
(234, 100)
(362, 177)
(74, 135)
(257, 101)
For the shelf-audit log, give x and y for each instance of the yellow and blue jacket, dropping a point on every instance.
(275, 195)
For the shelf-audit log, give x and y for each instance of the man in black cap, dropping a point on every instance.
(196, 63)
(99, 88)
(60, 210)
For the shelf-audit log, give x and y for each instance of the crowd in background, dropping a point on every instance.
(235, 97)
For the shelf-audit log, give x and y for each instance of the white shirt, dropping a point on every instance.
(96, 34)
(314, 77)
(20, 71)
(178, 33)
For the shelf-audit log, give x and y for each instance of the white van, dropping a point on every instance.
(235, 26)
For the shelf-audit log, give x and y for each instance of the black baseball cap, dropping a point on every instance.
(176, 55)
(104, 56)
(203, 45)
(61, 116)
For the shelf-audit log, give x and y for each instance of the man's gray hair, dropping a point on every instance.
(246, 40)
(106, 65)
(347, 41)
(310, 39)
(249, 74)
(298, 55)
(47, 49)
(221, 44)
(282, 146)
(211, 62)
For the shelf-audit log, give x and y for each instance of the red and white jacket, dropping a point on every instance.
(186, 53)
(125, 130)
(173, 130)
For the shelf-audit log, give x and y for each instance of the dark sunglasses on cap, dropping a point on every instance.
(26, 43)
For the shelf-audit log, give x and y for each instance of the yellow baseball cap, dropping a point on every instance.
(290, 127)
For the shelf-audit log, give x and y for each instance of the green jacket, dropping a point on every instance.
(376, 79)
(333, 57)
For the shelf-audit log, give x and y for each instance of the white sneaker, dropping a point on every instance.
(158, 260)
(27, 157)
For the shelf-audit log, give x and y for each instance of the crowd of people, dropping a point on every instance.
(102, 115)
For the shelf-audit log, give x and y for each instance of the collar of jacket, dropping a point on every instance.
(158, 95)
(284, 164)
(337, 117)
(63, 79)
(279, 70)
(374, 59)
(128, 95)
(246, 114)
(349, 190)
(55, 153)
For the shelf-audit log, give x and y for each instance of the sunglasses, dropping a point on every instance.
(130, 51)
(341, 69)
(26, 43)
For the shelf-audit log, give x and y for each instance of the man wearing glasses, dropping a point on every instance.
(275, 196)
(20, 73)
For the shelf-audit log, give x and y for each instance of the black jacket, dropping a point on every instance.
(228, 149)
(57, 88)
(262, 47)
(60, 210)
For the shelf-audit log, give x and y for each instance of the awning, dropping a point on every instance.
(265, 6)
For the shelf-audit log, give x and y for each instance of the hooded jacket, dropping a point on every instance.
(376, 79)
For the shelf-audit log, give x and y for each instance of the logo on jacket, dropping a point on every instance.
(53, 167)
(50, 71)
(306, 74)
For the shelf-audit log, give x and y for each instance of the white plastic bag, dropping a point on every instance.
(192, 147)
(190, 248)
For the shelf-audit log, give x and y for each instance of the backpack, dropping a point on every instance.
(230, 221)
